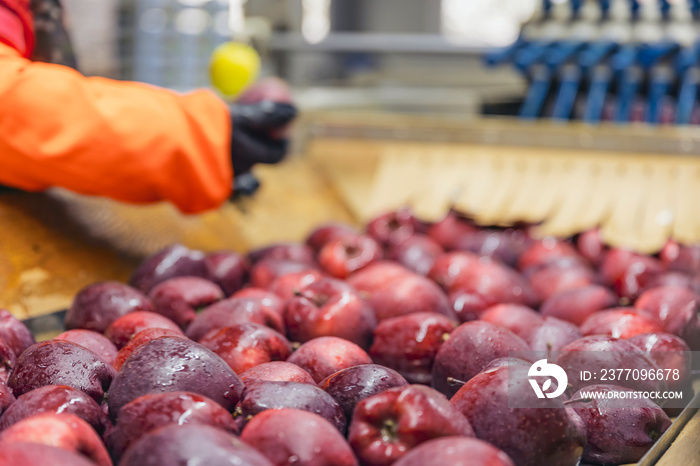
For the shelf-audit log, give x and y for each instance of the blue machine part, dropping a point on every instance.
(537, 94)
(568, 90)
(695, 8)
(634, 9)
(659, 85)
(597, 94)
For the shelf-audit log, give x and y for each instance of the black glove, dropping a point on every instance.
(53, 44)
(253, 141)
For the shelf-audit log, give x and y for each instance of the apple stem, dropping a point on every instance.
(304, 295)
(318, 300)
(295, 345)
(549, 351)
(625, 301)
(454, 382)
(237, 412)
(445, 336)
(389, 430)
(578, 400)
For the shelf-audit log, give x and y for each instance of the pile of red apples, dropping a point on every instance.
(387, 346)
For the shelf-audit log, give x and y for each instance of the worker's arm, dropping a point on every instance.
(124, 140)
(128, 141)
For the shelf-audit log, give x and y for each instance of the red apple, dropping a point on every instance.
(263, 396)
(293, 436)
(56, 399)
(122, 330)
(590, 245)
(8, 360)
(264, 272)
(393, 291)
(295, 252)
(179, 299)
(347, 254)
(286, 286)
(417, 253)
(552, 335)
(670, 251)
(191, 444)
(56, 362)
(170, 262)
(477, 283)
(96, 306)
(268, 88)
(352, 385)
(276, 371)
(173, 364)
(329, 307)
(32, 454)
(325, 233)
(268, 299)
(244, 346)
(617, 261)
(409, 344)
(6, 399)
(140, 339)
(234, 311)
(599, 354)
(668, 352)
(559, 276)
(681, 258)
(95, 342)
(227, 269)
(272, 89)
(544, 251)
(495, 401)
(387, 425)
(469, 349)
(450, 266)
(620, 322)
(323, 356)
(628, 272)
(617, 430)
(503, 245)
(392, 227)
(450, 230)
(678, 310)
(14, 333)
(374, 276)
(671, 278)
(455, 451)
(577, 304)
(519, 319)
(149, 412)
(65, 431)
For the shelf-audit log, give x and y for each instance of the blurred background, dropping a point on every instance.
(412, 54)
(591, 60)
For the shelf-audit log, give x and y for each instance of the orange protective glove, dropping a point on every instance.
(128, 141)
